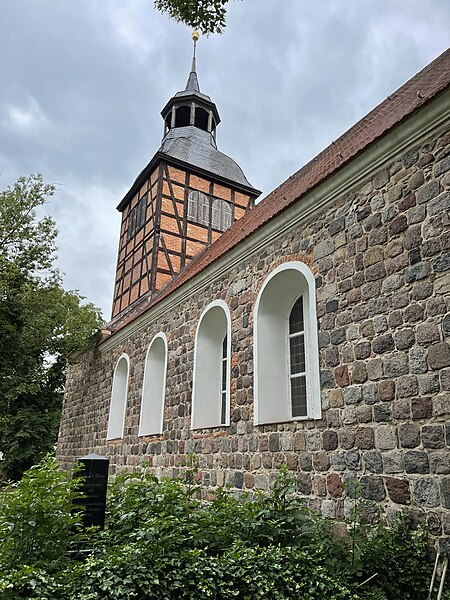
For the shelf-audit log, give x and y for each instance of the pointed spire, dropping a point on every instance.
(192, 82)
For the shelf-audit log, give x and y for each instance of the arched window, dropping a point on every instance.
(201, 118)
(154, 387)
(198, 207)
(221, 215)
(118, 398)
(211, 385)
(182, 116)
(287, 376)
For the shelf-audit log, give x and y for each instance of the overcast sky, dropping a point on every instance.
(82, 84)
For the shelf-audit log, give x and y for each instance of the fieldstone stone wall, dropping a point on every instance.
(382, 259)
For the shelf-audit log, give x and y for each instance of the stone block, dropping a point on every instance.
(261, 481)
(418, 360)
(299, 441)
(440, 462)
(381, 179)
(442, 263)
(346, 439)
(421, 290)
(363, 350)
(392, 283)
(401, 409)
(399, 224)
(404, 339)
(407, 386)
(427, 192)
(429, 383)
(335, 398)
(335, 486)
(319, 485)
(386, 390)
(407, 202)
(441, 405)
(445, 492)
(383, 344)
(433, 436)
(304, 483)
(373, 461)
(364, 438)
(287, 441)
(416, 461)
(426, 492)
(395, 319)
(329, 440)
(364, 414)
(398, 490)
(385, 437)
(352, 394)
(439, 205)
(274, 442)
(382, 413)
(352, 459)
(338, 336)
(358, 373)
(395, 364)
(374, 369)
(337, 461)
(393, 462)
(418, 271)
(439, 356)
(421, 408)
(372, 488)
(305, 461)
(321, 461)
(341, 376)
(445, 379)
(409, 435)
(370, 393)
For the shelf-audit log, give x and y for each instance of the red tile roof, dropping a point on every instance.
(417, 92)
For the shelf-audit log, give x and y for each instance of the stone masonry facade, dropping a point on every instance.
(381, 257)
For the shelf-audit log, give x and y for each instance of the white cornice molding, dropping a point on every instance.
(422, 125)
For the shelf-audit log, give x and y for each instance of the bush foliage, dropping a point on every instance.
(161, 542)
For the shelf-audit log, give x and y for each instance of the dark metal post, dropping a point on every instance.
(94, 470)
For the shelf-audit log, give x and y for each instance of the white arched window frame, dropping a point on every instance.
(272, 356)
(118, 404)
(154, 387)
(212, 368)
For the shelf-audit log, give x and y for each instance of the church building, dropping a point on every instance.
(310, 329)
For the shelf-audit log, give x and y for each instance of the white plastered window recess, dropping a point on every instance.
(118, 402)
(286, 351)
(154, 387)
(211, 381)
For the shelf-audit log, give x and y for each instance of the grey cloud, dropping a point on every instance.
(288, 78)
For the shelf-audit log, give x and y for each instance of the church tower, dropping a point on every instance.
(183, 200)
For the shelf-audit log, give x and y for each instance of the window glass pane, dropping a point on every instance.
(192, 205)
(203, 209)
(298, 396)
(136, 218)
(215, 217)
(226, 216)
(223, 409)
(296, 317)
(297, 350)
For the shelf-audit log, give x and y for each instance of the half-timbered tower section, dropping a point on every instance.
(183, 200)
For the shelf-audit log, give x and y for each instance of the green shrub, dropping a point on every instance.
(37, 523)
(161, 542)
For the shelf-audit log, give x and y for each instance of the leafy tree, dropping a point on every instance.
(40, 325)
(206, 15)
